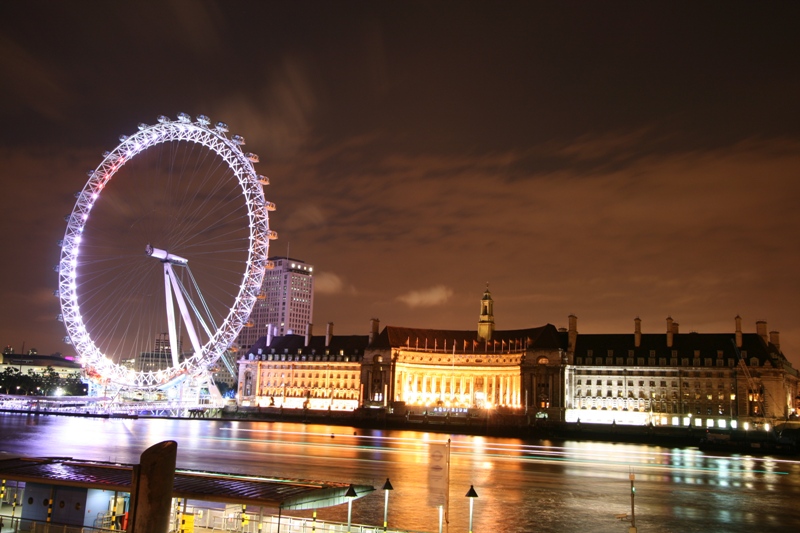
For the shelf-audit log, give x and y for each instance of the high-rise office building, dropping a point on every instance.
(286, 302)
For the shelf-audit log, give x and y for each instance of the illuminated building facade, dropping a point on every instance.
(717, 380)
(455, 371)
(286, 303)
(303, 372)
(708, 380)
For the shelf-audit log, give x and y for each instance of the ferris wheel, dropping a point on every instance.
(174, 216)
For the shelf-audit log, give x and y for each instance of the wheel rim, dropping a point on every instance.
(84, 278)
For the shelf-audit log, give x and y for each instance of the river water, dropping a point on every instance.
(522, 486)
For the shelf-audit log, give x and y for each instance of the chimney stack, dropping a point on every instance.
(309, 326)
(637, 332)
(375, 325)
(572, 333)
(738, 320)
(670, 332)
(328, 334)
(775, 338)
(761, 329)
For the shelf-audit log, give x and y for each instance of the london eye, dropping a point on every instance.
(164, 253)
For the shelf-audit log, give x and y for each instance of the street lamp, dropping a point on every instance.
(350, 494)
(386, 488)
(471, 494)
(632, 529)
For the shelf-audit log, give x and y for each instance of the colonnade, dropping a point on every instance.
(459, 389)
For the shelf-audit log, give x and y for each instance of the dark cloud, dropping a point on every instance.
(609, 160)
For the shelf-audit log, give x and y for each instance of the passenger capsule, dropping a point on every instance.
(252, 157)
(203, 120)
(143, 126)
(185, 118)
(238, 139)
(221, 127)
(163, 119)
(263, 180)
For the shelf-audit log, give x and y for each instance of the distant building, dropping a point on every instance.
(708, 380)
(160, 358)
(39, 363)
(286, 303)
(222, 375)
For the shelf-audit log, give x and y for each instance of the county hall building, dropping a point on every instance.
(705, 380)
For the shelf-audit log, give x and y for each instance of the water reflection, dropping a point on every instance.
(523, 486)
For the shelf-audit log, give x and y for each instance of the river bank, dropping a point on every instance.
(782, 440)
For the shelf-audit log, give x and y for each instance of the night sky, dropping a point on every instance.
(606, 159)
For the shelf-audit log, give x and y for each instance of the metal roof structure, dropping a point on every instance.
(290, 494)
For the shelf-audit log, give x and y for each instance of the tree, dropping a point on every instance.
(9, 380)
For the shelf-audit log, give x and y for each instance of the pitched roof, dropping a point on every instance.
(543, 337)
(685, 344)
